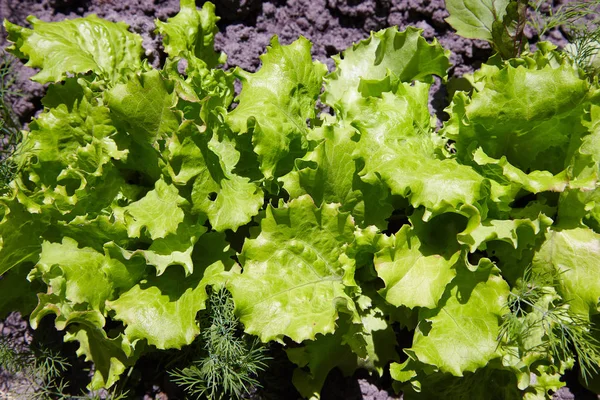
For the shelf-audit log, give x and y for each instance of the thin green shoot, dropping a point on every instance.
(230, 363)
(580, 22)
(38, 372)
(572, 15)
(10, 127)
(534, 305)
(584, 50)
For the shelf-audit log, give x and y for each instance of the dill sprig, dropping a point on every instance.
(10, 127)
(11, 360)
(580, 21)
(535, 309)
(38, 373)
(229, 362)
(576, 15)
(584, 49)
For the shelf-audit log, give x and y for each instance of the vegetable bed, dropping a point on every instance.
(178, 224)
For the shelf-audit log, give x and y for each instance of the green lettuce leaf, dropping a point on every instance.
(77, 46)
(460, 334)
(159, 212)
(504, 172)
(329, 175)
(173, 249)
(533, 132)
(80, 281)
(326, 173)
(584, 166)
(320, 357)
(81, 275)
(111, 356)
(579, 205)
(397, 146)
(20, 236)
(142, 105)
(474, 19)
(188, 39)
(276, 101)
(295, 272)
(228, 199)
(520, 233)
(377, 62)
(64, 312)
(66, 160)
(413, 276)
(162, 309)
(573, 254)
(369, 344)
(578, 208)
(373, 339)
(192, 33)
(96, 231)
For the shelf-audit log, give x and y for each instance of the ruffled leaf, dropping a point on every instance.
(159, 212)
(143, 105)
(20, 236)
(412, 276)
(295, 272)
(531, 115)
(78, 274)
(111, 356)
(377, 62)
(329, 175)
(276, 101)
(574, 255)
(520, 233)
(192, 32)
(460, 334)
(76, 46)
(162, 310)
(396, 146)
(228, 199)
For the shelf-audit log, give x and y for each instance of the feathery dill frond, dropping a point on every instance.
(572, 334)
(12, 360)
(580, 22)
(38, 373)
(37, 370)
(572, 15)
(536, 310)
(230, 362)
(10, 128)
(584, 49)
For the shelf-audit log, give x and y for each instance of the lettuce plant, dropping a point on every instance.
(479, 243)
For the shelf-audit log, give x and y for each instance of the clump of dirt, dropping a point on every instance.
(247, 27)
